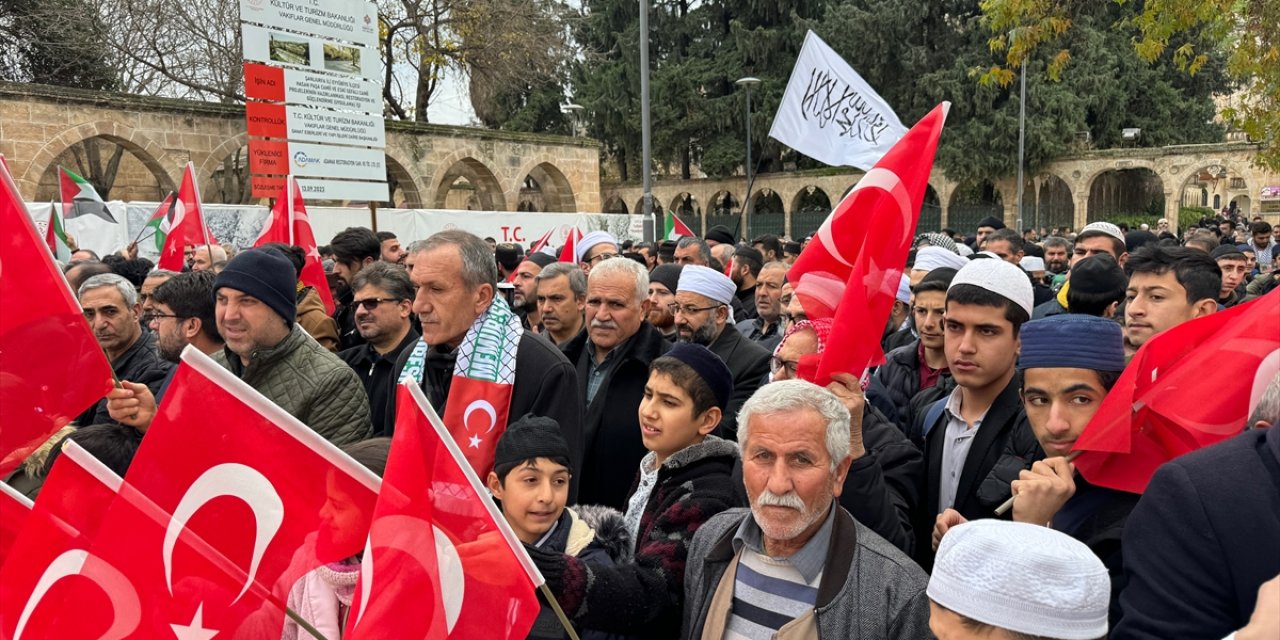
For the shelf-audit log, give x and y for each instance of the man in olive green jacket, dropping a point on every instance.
(265, 348)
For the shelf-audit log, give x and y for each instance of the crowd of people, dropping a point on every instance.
(671, 471)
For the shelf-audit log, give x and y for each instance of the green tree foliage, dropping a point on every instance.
(916, 54)
(53, 42)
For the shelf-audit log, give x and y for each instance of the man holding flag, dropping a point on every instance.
(476, 363)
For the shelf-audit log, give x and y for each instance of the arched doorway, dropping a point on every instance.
(468, 184)
(1126, 193)
(553, 192)
(768, 215)
(117, 169)
(230, 182)
(930, 211)
(689, 210)
(1055, 207)
(972, 202)
(401, 188)
(615, 204)
(1207, 189)
(809, 207)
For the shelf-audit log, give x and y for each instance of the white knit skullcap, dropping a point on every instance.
(1022, 577)
(708, 282)
(930, 258)
(904, 289)
(999, 277)
(1105, 227)
(1032, 263)
(592, 239)
(964, 249)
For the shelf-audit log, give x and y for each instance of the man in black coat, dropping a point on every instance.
(1203, 539)
(111, 306)
(967, 434)
(702, 312)
(612, 356)
(456, 278)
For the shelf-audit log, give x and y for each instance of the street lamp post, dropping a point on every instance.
(1022, 136)
(747, 83)
(575, 115)
(651, 224)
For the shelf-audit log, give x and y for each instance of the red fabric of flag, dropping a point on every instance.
(438, 545)
(537, 246)
(50, 569)
(43, 337)
(1165, 404)
(188, 226)
(291, 225)
(14, 509)
(569, 252)
(228, 503)
(851, 269)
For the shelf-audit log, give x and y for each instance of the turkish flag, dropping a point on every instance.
(43, 336)
(290, 224)
(231, 502)
(537, 246)
(14, 509)
(438, 545)
(851, 270)
(1164, 404)
(188, 226)
(568, 253)
(49, 568)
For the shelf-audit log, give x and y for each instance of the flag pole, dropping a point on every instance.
(1008, 504)
(555, 606)
(293, 615)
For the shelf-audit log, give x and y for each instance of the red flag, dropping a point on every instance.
(438, 542)
(14, 509)
(852, 268)
(188, 226)
(1164, 405)
(569, 252)
(50, 566)
(537, 246)
(43, 336)
(291, 225)
(232, 501)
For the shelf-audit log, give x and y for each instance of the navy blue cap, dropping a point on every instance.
(1072, 341)
(709, 367)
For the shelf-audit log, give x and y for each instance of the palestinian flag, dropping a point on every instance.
(161, 221)
(676, 228)
(79, 198)
(56, 236)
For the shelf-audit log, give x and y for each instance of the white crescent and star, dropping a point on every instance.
(124, 597)
(237, 481)
(479, 405)
(877, 178)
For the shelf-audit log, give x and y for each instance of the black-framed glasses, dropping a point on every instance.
(776, 363)
(148, 318)
(688, 309)
(370, 304)
(603, 256)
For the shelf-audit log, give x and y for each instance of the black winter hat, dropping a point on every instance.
(541, 259)
(1098, 274)
(993, 222)
(721, 234)
(709, 367)
(530, 437)
(266, 275)
(668, 275)
(1227, 251)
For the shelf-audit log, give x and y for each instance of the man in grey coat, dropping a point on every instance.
(796, 564)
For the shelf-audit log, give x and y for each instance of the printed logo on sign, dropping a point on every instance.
(300, 158)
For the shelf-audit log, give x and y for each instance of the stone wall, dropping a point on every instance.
(40, 123)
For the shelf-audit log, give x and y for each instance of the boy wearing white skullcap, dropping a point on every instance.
(1012, 580)
(976, 439)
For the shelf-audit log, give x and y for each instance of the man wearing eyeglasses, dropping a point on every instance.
(182, 313)
(383, 303)
(594, 248)
(702, 313)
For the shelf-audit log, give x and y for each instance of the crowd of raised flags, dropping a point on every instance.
(229, 501)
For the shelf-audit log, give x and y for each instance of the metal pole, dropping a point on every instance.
(746, 209)
(651, 223)
(1022, 138)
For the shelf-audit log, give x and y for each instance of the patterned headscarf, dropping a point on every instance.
(821, 328)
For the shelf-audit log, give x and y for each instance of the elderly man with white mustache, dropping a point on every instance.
(796, 564)
(612, 356)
